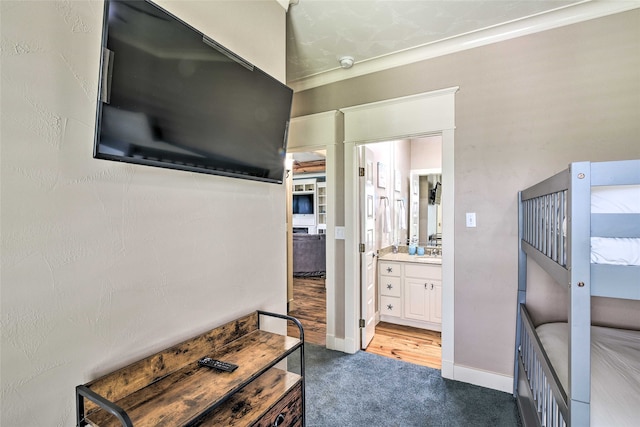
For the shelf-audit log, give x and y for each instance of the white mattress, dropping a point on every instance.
(615, 199)
(615, 368)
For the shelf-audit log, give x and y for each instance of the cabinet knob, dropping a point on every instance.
(432, 286)
(389, 286)
(389, 269)
(389, 307)
(279, 420)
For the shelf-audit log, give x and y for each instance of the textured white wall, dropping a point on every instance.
(102, 262)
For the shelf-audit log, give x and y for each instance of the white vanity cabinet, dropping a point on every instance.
(411, 294)
(423, 292)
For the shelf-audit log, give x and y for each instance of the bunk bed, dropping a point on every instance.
(581, 226)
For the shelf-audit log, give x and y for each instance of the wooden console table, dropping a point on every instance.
(171, 389)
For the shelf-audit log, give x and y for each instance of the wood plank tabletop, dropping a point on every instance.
(180, 397)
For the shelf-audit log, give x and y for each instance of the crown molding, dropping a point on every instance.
(285, 4)
(587, 10)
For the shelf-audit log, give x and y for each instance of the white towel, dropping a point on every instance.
(402, 213)
(386, 215)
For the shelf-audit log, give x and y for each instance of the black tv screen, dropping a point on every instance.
(172, 97)
(302, 204)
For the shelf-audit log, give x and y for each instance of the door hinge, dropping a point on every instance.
(362, 323)
(360, 171)
(361, 248)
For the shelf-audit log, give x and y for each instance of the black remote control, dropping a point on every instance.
(217, 364)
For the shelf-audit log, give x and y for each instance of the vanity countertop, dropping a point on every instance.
(405, 257)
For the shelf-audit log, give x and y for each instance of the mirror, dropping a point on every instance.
(425, 207)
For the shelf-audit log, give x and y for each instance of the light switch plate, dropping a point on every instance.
(471, 219)
(340, 233)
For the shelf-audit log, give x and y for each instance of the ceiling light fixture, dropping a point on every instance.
(346, 62)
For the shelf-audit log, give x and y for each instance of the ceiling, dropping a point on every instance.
(320, 32)
(308, 156)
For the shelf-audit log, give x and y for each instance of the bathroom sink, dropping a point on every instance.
(429, 258)
(423, 259)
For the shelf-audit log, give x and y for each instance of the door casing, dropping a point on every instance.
(422, 115)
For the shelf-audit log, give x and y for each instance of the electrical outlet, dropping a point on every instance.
(471, 219)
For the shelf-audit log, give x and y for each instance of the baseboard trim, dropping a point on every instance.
(350, 346)
(447, 369)
(413, 323)
(482, 378)
(333, 343)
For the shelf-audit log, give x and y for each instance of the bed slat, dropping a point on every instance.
(615, 281)
(622, 172)
(615, 225)
(557, 182)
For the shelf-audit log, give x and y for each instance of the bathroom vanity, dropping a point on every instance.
(410, 290)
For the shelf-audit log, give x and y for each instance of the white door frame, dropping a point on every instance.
(412, 116)
(318, 132)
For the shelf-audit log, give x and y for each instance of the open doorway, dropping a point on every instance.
(422, 114)
(309, 244)
(339, 132)
(407, 316)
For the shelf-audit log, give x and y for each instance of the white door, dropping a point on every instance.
(367, 251)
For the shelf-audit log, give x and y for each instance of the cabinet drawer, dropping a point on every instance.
(390, 306)
(390, 286)
(286, 413)
(423, 271)
(389, 268)
(260, 402)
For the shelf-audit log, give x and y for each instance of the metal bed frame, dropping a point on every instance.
(555, 230)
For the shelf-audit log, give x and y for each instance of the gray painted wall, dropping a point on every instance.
(525, 109)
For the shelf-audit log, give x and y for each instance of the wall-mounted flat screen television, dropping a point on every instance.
(172, 97)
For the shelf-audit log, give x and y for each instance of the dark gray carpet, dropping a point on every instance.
(364, 389)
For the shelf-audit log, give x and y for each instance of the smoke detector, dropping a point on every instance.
(346, 62)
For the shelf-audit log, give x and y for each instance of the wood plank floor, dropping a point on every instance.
(414, 345)
(418, 346)
(310, 308)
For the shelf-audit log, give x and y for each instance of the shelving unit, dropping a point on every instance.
(304, 186)
(303, 189)
(170, 388)
(322, 206)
